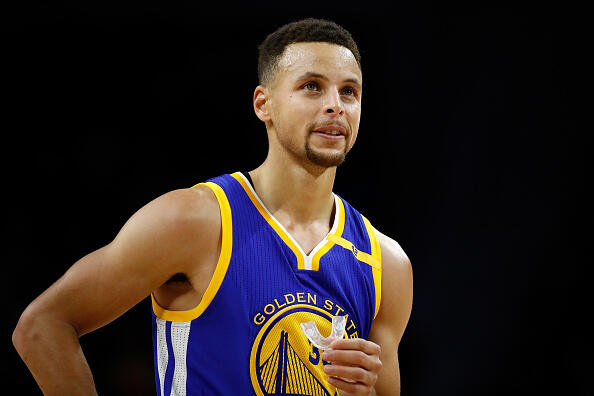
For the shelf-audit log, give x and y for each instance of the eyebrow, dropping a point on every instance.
(322, 77)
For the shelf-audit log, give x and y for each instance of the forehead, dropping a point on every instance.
(324, 58)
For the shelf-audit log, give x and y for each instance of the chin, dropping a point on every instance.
(326, 160)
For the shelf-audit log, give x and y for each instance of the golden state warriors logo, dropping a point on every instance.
(283, 361)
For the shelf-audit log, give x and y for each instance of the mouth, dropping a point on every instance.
(328, 136)
(334, 132)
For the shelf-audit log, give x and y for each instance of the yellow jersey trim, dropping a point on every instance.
(377, 271)
(220, 270)
(270, 220)
(359, 255)
(315, 263)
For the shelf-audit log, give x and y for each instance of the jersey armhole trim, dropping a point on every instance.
(220, 270)
(376, 271)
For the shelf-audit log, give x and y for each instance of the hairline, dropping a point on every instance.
(274, 66)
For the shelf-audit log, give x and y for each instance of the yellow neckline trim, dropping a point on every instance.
(322, 248)
(315, 263)
(220, 270)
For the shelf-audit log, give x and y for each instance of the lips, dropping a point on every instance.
(334, 130)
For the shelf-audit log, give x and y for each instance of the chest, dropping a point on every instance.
(266, 275)
(307, 237)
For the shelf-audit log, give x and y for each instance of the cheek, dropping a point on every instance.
(300, 113)
(354, 115)
(354, 118)
(354, 107)
(353, 139)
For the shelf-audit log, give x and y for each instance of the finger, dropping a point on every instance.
(353, 358)
(360, 344)
(356, 374)
(354, 388)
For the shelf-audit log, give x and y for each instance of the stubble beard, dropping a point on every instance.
(323, 159)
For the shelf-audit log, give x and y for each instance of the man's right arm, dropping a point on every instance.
(158, 241)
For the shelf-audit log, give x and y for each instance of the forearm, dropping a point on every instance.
(52, 352)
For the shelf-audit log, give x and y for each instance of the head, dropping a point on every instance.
(310, 90)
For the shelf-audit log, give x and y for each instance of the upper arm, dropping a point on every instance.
(395, 308)
(159, 240)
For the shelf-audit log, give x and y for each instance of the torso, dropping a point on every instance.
(252, 299)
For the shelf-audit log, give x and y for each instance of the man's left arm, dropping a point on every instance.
(371, 366)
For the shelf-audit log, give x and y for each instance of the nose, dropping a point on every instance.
(332, 103)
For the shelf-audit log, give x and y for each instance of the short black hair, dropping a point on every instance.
(303, 31)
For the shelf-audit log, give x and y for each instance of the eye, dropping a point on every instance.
(348, 91)
(311, 86)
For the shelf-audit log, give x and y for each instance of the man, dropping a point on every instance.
(234, 265)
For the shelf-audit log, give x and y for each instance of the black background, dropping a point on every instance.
(468, 155)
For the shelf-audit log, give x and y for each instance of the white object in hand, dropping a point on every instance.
(313, 334)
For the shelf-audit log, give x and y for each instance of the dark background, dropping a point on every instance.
(468, 155)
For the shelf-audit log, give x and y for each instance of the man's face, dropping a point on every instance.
(315, 102)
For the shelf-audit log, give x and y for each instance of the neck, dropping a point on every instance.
(293, 192)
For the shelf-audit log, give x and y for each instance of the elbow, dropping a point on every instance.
(34, 324)
(24, 333)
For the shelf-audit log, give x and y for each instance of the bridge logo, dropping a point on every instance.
(283, 361)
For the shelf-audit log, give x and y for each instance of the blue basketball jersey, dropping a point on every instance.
(244, 338)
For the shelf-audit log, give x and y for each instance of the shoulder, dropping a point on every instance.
(184, 204)
(395, 262)
(394, 259)
(173, 225)
(181, 210)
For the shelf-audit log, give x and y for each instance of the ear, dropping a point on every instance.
(261, 99)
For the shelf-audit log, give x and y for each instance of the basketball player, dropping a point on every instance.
(235, 264)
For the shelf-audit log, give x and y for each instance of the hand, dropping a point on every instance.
(357, 362)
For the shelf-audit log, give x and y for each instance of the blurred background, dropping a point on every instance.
(468, 150)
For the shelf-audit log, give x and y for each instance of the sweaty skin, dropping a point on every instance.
(317, 86)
